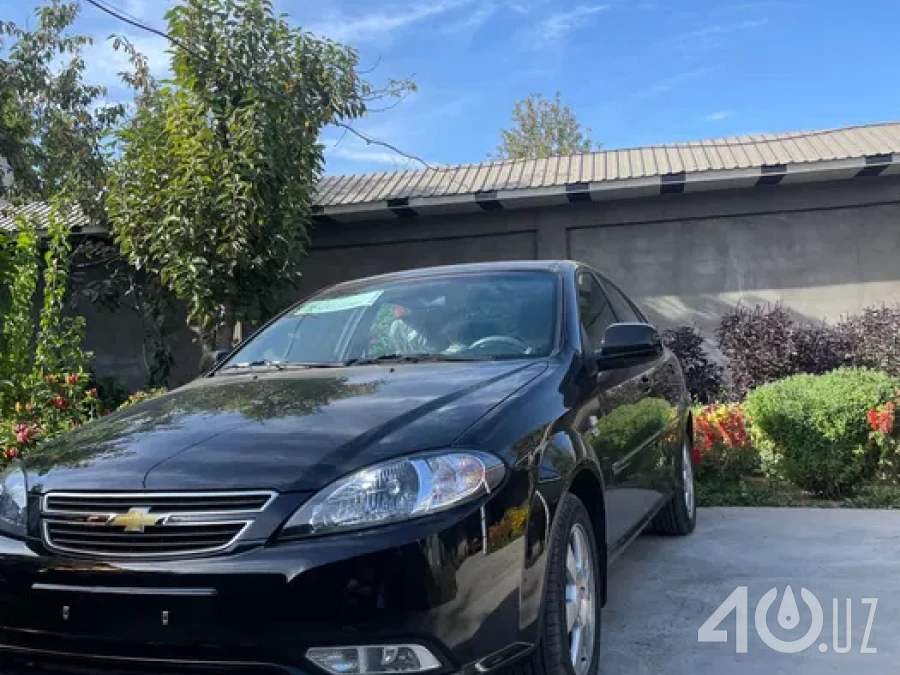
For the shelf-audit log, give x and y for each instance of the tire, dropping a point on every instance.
(679, 516)
(552, 655)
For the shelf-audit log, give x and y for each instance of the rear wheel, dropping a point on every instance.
(679, 516)
(570, 638)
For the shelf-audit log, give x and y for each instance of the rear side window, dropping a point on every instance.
(623, 309)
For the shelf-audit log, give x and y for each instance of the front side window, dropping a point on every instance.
(471, 316)
(594, 309)
(624, 311)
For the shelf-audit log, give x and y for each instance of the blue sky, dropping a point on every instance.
(635, 71)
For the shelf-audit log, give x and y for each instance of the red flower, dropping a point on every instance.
(886, 421)
(873, 419)
(59, 402)
(695, 455)
(72, 379)
(11, 453)
(92, 393)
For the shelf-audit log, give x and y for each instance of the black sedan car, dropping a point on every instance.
(423, 472)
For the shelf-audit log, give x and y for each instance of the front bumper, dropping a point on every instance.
(438, 582)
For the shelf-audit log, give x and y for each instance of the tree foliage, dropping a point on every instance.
(16, 351)
(218, 166)
(53, 133)
(543, 128)
(53, 125)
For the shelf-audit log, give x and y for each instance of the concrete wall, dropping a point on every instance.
(824, 249)
(116, 340)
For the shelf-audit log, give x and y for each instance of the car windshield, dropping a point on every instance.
(452, 317)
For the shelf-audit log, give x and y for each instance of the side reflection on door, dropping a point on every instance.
(626, 437)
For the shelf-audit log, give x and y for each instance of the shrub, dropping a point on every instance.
(757, 343)
(873, 337)
(702, 377)
(33, 344)
(111, 392)
(817, 429)
(875, 497)
(765, 344)
(54, 404)
(819, 348)
(884, 434)
(722, 445)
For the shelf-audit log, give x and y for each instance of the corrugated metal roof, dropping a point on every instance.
(37, 210)
(738, 161)
(738, 152)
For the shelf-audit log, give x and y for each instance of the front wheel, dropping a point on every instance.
(679, 516)
(570, 637)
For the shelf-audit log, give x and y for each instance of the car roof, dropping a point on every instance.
(556, 266)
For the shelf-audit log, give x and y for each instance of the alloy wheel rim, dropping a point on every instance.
(687, 477)
(580, 600)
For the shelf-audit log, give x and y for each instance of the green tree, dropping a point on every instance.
(53, 128)
(543, 128)
(53, 125)
(218, 166)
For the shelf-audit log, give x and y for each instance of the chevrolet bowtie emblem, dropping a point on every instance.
(136, 519)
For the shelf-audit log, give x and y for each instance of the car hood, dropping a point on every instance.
(286, 430)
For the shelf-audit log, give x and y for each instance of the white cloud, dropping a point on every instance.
(369, 156)
(719, 116)
(556, 26)
(756, 6)
(474, 20)
(484, 13)
(367, 27)
(670, 83)
(710, 37)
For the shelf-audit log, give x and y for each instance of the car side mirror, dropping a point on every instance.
(628, 344)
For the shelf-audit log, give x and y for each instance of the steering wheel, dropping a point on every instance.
(501, 340)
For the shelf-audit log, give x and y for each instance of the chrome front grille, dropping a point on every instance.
(145, 524)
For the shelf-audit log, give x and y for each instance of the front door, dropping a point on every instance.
(610, 422)
(655, 414)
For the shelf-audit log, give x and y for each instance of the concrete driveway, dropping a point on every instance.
(663, 589)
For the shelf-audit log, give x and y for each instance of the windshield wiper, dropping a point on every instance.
(280, 365)
(408, 358)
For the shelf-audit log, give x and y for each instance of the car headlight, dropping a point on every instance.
(13, 500)
(397, 490)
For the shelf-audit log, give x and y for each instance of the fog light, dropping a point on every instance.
(364, 660)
